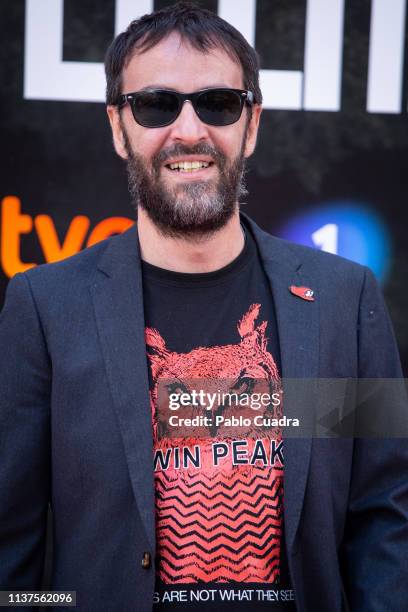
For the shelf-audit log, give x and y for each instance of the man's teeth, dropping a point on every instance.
(186, 166)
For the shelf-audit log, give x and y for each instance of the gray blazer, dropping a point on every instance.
(75, 432)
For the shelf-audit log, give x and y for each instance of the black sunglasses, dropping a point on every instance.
(160, 107)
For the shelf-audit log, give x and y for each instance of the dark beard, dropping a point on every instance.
(190, 210)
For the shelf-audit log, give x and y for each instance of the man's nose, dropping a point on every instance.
(188, 127)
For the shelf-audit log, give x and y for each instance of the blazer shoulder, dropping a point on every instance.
(299, 256)
(325, 260)
(80, 267)
(315, 261)
(338, 278)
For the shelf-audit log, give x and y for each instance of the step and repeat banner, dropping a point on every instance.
(331, 165)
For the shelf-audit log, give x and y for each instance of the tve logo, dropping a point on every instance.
(316, 88)
(15, 223)
(348, 229)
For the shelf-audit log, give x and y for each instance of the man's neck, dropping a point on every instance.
(207, 254)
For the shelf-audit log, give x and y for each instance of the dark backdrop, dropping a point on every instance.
(344, 170)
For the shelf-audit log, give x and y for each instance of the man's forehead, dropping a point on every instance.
(174, 63)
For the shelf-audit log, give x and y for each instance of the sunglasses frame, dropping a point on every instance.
(245, 96)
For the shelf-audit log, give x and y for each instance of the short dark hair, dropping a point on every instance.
(202, 28)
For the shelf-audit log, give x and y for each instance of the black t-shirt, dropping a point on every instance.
(219, 482)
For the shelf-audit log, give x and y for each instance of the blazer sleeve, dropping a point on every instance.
(24, 439)
(375, 550)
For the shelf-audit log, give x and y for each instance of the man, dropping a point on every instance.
(107, 351)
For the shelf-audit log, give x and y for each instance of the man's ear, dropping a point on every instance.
(118, 136)
(253, 130)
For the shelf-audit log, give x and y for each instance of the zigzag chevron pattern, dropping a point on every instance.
(219, 525)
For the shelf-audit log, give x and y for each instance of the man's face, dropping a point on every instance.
(184, 203)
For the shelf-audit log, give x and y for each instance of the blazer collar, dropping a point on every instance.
(118, 303)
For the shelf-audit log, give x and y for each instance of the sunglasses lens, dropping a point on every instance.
(219, 107)
(155, 108)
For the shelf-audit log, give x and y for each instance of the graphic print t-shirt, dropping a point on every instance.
(219, 487)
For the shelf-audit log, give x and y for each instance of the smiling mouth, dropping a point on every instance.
(187, 166)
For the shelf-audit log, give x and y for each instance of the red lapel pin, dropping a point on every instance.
(303, 292)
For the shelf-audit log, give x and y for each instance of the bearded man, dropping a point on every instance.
(142, 389)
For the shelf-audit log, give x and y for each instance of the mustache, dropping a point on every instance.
(181, 149)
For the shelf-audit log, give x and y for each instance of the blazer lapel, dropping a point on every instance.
(298, 328)
(118, 303)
